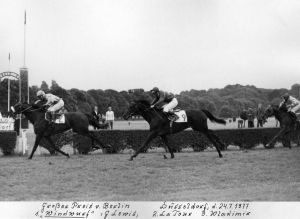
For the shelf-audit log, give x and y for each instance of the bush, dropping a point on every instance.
(8, 141)
(119, 140)
(249, 138)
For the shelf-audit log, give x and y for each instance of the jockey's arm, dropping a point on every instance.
(281, 103)
(294, 102)
(161, 99)
(154, 101)
(48, 103)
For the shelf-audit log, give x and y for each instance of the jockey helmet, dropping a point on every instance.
(154, 90)
(40, 93)
(285, 96)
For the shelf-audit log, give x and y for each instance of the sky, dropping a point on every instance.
(175, 45)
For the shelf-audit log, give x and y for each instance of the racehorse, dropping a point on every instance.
(76, 121)
(161, 126)
(287, 124)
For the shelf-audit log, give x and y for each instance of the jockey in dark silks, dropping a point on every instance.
(292, 104)
(166, 101)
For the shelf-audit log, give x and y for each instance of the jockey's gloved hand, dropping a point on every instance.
(152, 106)
(45, 106)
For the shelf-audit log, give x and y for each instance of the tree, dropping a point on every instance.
(44, 86)
(226, 112)
(295, 90)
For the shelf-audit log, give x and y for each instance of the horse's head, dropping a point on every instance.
(270, 111)
(137, 108)
(20, 108)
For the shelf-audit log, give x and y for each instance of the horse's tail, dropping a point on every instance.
(212, 118)
(94, 122)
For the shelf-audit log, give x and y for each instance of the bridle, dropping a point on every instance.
(24, 110)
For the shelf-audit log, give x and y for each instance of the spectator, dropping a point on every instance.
(244, 117)
(110, 117)
(96, 115)
(251, 116)
(259, 115)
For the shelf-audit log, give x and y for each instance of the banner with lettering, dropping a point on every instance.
(6, 124)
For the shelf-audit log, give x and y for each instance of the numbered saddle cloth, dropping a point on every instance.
(59, 118)
(181, 115)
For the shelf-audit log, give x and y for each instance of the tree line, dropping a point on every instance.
(225, 102)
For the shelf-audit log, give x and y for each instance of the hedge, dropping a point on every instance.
(8, 141)
(119, 140)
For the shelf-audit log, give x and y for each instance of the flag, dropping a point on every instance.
(25, 18)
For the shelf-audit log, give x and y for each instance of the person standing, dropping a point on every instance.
(110, 117)
(260, 115)
(96, 115)
(250, 118)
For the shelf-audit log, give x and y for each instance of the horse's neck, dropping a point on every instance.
(278, 114)
(151, 114)
(33, 116)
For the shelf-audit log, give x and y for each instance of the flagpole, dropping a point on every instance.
(8, 85)
(25, 39)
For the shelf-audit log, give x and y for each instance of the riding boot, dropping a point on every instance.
(53, 116)
(172, 116)
(294, 119)
(293, 116)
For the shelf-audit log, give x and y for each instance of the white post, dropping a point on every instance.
(24, 141)
(8, 95)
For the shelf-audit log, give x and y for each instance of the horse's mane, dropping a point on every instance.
(143, 102)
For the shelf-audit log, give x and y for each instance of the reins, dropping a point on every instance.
(31, 110)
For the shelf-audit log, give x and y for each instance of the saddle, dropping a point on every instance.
(176, 115)
(56, 117)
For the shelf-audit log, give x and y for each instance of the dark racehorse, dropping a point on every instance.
(160, 125)
(287, 124)
(78, 122)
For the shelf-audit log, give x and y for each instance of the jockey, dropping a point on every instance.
(53, 101)
(164, 100)
(294, 104)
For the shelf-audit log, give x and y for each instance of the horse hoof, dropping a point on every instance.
(165, 157)
(131, 159)
(68, 156)
(220, 155)
(29, 158)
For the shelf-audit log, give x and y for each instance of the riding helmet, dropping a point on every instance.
(40, 93)
(285, 96)
(154, 90)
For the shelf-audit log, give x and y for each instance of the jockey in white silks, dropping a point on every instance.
(292, 104)
(166, 101)
(55, 103)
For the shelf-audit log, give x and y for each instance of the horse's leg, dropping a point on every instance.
(218, 140)
(211, 136)
(93, 137)
(36, 144)
(276, 136)
(150, 137)
(165, 140)
(56, 148)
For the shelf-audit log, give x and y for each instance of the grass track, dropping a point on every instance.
(261, 175)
